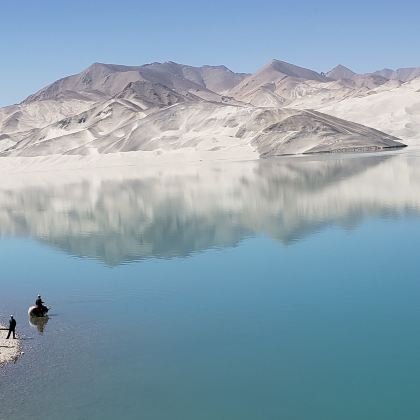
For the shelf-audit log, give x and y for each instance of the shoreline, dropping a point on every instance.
(145, 161)
(9, 349)
(142, 160)
(25, 172)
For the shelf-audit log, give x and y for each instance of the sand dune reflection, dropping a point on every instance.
(129, 214)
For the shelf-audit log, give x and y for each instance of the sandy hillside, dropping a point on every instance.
(395, 111)
(173, 108)
(197, 127)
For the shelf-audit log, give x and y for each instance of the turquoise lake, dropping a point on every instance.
(280, 289)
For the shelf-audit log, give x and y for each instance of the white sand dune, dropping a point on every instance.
(24, 117)
(395, 111)
(172, 108)
(200, 127)
(276, 76)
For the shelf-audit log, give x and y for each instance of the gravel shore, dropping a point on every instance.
(9, 349)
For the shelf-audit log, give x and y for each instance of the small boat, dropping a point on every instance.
(36, 312)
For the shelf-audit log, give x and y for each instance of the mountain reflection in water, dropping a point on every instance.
(129, 214)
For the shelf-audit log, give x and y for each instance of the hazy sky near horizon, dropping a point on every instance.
(42, 41)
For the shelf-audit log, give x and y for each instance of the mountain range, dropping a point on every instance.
(165, 107)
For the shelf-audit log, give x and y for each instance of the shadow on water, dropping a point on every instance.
(121, 215)
(39, 323)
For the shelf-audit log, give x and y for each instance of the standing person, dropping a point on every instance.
(12, 327)
(39, 303)
(41, 309)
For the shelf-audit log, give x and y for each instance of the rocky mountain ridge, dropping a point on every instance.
(168, 106)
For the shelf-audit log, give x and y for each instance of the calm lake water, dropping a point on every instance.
(282, 289)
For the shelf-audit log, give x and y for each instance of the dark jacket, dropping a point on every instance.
(39, 302)
(12, 324)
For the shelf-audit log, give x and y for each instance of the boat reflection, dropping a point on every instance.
(39, 323)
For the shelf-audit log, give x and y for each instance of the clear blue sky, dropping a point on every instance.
(43, 40)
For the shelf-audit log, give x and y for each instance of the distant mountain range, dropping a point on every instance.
(403, 75)
(165, 107)
(340, 72)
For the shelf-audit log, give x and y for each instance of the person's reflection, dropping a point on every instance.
(39, 323)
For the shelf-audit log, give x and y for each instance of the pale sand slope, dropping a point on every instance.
(171, 108)
(395, 111)
(9, 349)
(314, 95)
(196, 128)
(280, 84)
(25, 117)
